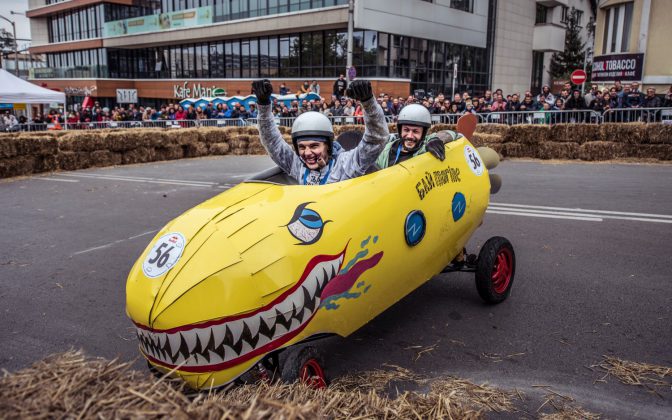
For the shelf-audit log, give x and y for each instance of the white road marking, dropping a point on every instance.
(546, 216)
(575, 214)
(96, 248)
(145, 180)
(579, 210)
(138, 178)
(43, 178)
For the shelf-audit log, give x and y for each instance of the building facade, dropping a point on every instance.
(171, 49)
(631, 43)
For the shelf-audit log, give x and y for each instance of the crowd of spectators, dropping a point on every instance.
(616, 97)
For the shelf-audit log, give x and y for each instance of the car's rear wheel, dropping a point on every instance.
(495, 270)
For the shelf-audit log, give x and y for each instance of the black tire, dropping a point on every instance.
(495, 270)
(303, 364)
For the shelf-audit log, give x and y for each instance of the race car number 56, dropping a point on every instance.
(164, 254)
(473, 160)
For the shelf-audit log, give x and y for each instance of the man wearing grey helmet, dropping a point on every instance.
(312, 161)
(411, 139)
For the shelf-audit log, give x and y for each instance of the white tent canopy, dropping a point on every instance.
(15, 90)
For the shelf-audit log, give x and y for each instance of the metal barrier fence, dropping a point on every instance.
(509, 118)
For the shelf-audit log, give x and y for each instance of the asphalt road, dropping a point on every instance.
(588, 283)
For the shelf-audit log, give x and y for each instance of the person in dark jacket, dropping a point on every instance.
(339, 87)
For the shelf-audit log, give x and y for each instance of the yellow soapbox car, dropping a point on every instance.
(229, 285)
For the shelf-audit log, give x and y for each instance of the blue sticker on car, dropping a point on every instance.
(459, 206)
(415, 227)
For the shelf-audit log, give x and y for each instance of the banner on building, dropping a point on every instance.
(623, 67)
(127, 96)
(153, 23)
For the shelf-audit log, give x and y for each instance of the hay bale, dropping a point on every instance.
(531, 134)
(254, 140)
(250, 130)
(187, 136)
(558, 150)
(239, 142)
(582, 133)
(602, 150)
(630, 133)
(121, 141)
(288, 139)
(71, 160)
(657, 133)
(239, 151)
(440, 127)
(196, 149)
(518, 150)
(8, 147)
(649, 151)
(490, 128)
(45, 164)
(482, 139)
(84, 141)
(17, 166)
(256, 149)
(219, 149)
(138, 155)
(215, 135)
(169, 152)
(105, 158)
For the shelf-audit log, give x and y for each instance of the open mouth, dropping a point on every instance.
(217, 345)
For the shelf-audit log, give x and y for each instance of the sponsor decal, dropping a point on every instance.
(474, 161)
(196, 90)
(459, 206)
(414, 228)
(624, 67)
(436, 179)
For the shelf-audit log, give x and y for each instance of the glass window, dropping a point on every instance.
(232, 51)
(217, 59)
(464, 5)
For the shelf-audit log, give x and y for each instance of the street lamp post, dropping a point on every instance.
(16, 53)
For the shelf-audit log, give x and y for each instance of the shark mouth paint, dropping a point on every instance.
(218, 345)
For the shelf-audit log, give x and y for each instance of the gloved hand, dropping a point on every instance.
(263, 89)
(436, 148)
(359, 90)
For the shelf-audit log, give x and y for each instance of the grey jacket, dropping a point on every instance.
(342, 166)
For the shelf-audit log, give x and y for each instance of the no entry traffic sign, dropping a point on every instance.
(578, 77)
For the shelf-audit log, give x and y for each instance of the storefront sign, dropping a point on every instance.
(80, 91)
(196, 90)
(624, 67)
(188, 18)
(127, 96)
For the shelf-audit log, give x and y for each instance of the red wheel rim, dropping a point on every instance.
(313, 375)
(502, 270)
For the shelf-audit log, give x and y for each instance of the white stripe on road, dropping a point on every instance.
(42, 178)
(104, 176)
(147, 181)
(575, 214)
(547, 216)
(96, 248)
(579, 210)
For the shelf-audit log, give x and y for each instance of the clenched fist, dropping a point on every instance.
(360, 90)
(263, 89)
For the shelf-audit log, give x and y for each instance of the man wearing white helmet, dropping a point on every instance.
(313, 161)
(413, 123)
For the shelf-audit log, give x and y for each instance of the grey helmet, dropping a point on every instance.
(414, 114)
(315, 126)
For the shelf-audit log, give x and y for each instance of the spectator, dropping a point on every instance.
(499, 105)
(325, 110)
(253, 110)
(528, 103)
(651, 100)
(305, 88)
(598, 103)
(487, 99)
(668, 97)
(181, 114)
(634, 98)
(348, 109)
(457, 100)
(339, 86)
(283, 89)
(546, 95)
(559, 104)
(315, 87)
(575, 102)
(514, 104)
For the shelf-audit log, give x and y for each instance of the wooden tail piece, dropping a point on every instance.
(466, 125)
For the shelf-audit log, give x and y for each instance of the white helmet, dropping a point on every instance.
(414, 114)
(312, 125)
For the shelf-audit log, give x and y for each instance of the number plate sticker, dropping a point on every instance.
(473, 160)
(164, 254)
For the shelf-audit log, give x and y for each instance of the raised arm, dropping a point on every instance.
(271, 138)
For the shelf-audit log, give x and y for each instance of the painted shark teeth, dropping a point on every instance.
(201, 347)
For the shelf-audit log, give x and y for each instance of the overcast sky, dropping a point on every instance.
(22, 25)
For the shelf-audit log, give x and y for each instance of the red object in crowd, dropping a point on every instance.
(87, 103)
(578, 77)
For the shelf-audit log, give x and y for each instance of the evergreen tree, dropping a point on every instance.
(572, 58)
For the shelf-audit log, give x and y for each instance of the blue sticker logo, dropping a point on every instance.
(306, 225)
(415, 227)
(459, 206)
